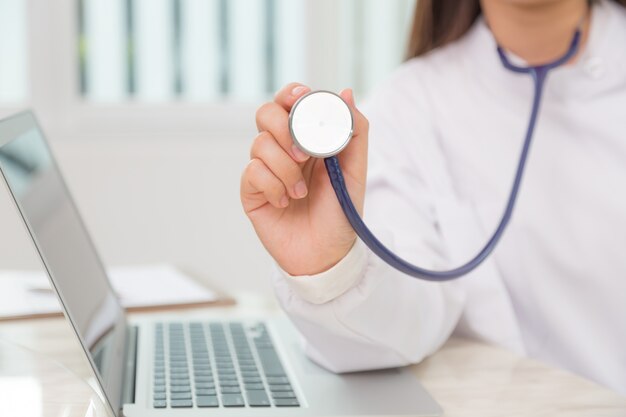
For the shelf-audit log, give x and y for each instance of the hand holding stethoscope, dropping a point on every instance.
(311, 233)
(322, 125)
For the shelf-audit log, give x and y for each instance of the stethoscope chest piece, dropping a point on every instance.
(321, 124)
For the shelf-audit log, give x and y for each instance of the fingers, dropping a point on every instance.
(361, 125)
(258, 178)
(289, 94)
(274, 118)
(282, 165)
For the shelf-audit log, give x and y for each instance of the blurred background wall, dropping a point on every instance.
(149, 106)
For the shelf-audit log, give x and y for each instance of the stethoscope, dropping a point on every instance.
(321, 125)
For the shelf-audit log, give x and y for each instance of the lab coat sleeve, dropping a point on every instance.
(362, 314)
(330, 284)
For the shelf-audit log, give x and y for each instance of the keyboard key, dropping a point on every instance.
(230, 390)
(205, 385)
(232, 400)
(252, 380)
(275, 371)
(206, 401)
(204, 379)
(223, 356)
(277, 380)
(282, 387)
(254, 387)
(159, 396)
(257, 399)
(226, 372)
(229, 383)
(206, 392)
(181, 403)
(179, 381)
(285, 394)
(180, 396)
(159, 404)
(178, 371)
(271, 363)
(287, 402)
(180, 388)
(159, 388)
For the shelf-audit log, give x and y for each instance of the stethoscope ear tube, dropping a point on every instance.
(335, 175)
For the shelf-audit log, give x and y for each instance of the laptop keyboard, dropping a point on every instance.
(218, 365)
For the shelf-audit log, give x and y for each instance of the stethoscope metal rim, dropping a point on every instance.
(295, 138)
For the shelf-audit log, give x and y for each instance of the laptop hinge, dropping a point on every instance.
(130, 370)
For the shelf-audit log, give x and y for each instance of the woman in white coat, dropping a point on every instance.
(444, 134)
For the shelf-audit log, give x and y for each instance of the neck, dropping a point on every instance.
(536, 31)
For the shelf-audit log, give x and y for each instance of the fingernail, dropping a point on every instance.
(284, 201)
(298, 90)
(300, 189)
(298, 154)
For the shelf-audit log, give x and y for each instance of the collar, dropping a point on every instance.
(600, 67)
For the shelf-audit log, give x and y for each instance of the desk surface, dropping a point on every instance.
(467, 378)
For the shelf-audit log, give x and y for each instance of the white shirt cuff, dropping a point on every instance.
(328, 285)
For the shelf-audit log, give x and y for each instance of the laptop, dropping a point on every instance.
(178, 367)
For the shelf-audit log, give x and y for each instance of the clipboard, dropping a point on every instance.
(144, 288)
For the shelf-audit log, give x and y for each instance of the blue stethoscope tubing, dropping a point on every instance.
(538, 74)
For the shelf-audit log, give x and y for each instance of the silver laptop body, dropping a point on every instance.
(192, 367)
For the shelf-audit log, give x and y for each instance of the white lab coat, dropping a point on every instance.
(446, 131)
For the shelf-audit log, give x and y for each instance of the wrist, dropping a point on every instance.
(318, 265)
(327, 285)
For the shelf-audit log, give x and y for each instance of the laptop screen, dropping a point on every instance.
(65, 248)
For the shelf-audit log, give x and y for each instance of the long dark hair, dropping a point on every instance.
(439, 22)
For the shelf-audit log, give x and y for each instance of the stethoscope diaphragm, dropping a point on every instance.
(321, 124)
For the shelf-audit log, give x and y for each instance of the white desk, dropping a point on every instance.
(467, 378)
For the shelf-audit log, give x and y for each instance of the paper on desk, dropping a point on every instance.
(25, 293)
